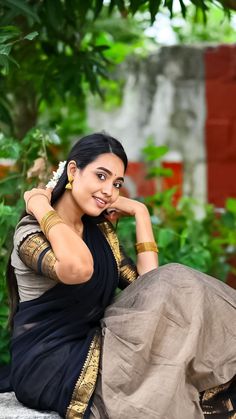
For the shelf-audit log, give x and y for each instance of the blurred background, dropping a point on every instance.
(160, 75)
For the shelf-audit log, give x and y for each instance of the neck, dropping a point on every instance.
(69, 211)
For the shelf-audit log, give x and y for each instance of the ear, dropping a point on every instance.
(71, 168)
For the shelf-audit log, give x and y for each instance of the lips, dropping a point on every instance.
(100, 202)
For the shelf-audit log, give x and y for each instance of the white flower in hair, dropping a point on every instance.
(56, 175)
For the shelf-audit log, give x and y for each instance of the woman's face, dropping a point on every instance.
(97, 186)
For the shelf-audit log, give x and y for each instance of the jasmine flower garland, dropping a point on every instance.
(56, 175)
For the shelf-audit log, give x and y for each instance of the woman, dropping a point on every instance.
(168, 337)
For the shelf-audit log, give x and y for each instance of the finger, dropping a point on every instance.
(114, 216)
(110, 210)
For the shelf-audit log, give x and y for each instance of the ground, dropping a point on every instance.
(10, 408)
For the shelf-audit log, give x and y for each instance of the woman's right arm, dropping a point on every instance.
(146, 260)
(74, 261)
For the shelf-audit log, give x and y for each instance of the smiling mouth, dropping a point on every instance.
(100, 202)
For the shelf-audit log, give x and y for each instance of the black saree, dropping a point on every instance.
(55, 345)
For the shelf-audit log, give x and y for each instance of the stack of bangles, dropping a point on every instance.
(146, 247)
(50, 219)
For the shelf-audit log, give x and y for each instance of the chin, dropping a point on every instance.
(94, 212)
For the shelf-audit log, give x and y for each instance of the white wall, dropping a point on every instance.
(164, 97)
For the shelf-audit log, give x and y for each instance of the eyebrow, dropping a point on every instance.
(110, 173)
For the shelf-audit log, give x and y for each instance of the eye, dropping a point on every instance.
(101, 176)
(118, 185)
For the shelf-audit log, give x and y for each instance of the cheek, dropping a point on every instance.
(115, 195)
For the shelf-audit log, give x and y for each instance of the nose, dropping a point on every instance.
(107, 188)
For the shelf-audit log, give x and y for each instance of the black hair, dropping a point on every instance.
(84, 151)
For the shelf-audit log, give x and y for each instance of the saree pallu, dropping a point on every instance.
(169, 349)
(55, 346)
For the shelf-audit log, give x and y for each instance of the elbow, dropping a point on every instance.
(143, 269)
(72, 273)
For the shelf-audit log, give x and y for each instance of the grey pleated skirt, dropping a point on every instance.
(169, 342)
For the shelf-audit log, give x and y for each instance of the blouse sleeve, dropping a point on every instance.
(32, 251)
(36, 253)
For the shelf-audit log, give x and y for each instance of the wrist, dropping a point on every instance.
(36, 201)
(141, 210)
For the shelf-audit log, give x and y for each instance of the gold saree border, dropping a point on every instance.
(216, 401)
(86, 382)
(110, 235)
(127, 271)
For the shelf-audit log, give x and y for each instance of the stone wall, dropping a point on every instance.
(182, 96)
(164, 97)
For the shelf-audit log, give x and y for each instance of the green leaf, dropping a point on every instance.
(183, 8)
(231, 205)
(54, 13)
(121, 6)
(136, 4)
(98, 8)
(4, 62)
(5, 49)
(165, 237)
(153, 8)
(8, 32)
(183, 237)
(153, 152)
(10, 58)
(5, 116)
(100, 48)
(111, 6)
(4, 310)
(228, 220)
(159, 172)
(23, 8)
(31, 35)
(169, 5)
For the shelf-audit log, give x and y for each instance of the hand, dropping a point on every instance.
(124, 207)
(35, 196)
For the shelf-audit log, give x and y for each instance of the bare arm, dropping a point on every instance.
(74, 262)
(146, 261)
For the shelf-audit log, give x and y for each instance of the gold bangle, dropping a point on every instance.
(50, 219)
(146, 247)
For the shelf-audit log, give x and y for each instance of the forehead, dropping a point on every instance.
(110, 162)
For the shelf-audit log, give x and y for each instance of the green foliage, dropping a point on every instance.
(9, 36)
(8, 220)
(69, 119)
(35, 144)
(195, 29)
(152, 156)
(205, 243)
(63, 49)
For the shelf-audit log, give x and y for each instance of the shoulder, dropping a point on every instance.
(27, 225)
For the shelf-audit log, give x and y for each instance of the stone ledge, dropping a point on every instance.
(10, 408)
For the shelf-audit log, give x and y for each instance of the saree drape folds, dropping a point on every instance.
(56, 341)
(160, 351)
(169, 336)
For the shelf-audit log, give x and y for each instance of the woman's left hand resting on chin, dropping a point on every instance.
(74, 263)
(146, 261)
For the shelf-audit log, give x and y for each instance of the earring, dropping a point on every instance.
(69, 184)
